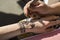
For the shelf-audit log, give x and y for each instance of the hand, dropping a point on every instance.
(41, 26)
(46, 28)
(40, 9)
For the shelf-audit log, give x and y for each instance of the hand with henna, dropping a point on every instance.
(45, 26)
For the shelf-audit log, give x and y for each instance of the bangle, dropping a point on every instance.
(22, 27)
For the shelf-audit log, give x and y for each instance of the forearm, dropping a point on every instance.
(9, 28)
(17, 26)
(10, 31)
(55, 8)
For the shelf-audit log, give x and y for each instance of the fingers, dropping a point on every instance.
(31, 7)
(52, 24)
(26, 7)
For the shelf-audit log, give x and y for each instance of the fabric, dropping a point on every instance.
(54, 35)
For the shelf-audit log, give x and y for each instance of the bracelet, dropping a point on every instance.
(22, 27)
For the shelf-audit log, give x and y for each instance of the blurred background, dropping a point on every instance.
(11, 11)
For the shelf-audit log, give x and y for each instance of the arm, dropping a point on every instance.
(12, 28)
(56, 8)
(16, 26)
(10, 31)
(9, 28)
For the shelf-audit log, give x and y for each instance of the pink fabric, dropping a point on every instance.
(54, 35)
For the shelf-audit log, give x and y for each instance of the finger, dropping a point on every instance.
(34, 3)
(52, 24)
(26, 7)
(33, 10)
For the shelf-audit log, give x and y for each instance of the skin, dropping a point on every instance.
(56, 8)
(42, 9)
